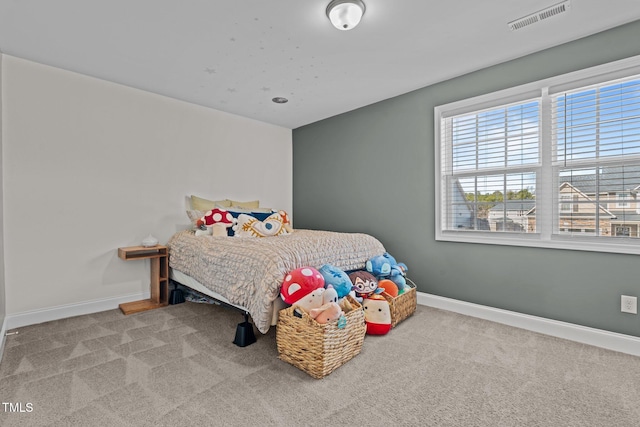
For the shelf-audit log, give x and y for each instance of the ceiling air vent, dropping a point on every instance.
(541, 15)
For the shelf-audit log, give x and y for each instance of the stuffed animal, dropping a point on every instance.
(250, 226)
(389, 287)
(364, 284)
(337, 278)
(398, 272)
(345, 305)
(377, 314)
(385, 267)
(330, 294)
(215, 222)
(379, 266)
(303, 287)
(286, 221)
(326, 313)
(311, 300)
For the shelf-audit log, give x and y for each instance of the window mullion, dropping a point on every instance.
(597, 155)
(477, 124)
(547, 203)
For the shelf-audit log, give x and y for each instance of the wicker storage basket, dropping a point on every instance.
(403, 305)
(319, 349)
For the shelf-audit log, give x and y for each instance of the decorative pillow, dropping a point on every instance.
(194, 216)
(200, 204)
(259, 213)
(286, 221)
(249, 211)
(244, 205)
(250, 226)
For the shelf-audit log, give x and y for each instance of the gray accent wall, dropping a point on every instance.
(372, 170)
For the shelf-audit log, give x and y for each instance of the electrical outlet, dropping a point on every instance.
(629, 304)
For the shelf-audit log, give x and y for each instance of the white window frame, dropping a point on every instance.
(547, 234)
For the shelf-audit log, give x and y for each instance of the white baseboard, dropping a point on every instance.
(70, 310)
(583, 334)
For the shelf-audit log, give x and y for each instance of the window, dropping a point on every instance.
(623, 199)
(567, 203)
(623, 231)
(554, 163)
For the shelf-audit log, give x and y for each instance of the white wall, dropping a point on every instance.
(90, 166)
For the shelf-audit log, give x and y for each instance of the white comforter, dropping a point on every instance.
(248, 271)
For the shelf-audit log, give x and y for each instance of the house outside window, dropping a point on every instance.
(554, 163)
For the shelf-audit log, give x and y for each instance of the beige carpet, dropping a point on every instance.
(177, 366)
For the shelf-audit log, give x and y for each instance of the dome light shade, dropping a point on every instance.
(345, 14)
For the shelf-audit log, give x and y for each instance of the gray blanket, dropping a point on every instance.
(248, 271)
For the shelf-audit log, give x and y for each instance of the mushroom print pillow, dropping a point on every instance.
(215, 222)
(250, 226)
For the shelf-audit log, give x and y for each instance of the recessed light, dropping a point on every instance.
(280, 100)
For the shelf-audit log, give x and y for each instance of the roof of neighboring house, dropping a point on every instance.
(515, 205)
(462, 195)
(613, 179)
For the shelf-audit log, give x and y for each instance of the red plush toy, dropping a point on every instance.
(303, 287)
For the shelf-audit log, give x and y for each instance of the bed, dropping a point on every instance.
(246, 272)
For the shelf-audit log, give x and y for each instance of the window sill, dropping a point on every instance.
(533, 240)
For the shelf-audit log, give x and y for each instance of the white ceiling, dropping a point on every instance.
(237, 55)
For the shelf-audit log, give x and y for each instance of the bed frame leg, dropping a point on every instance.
(244, 333)
(176, 296)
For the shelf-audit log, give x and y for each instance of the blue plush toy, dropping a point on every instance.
(385, 267)
(398, 272)
(337, 278)
(379, 266)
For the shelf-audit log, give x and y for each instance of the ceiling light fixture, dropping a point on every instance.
(345, 14)
(280, 100)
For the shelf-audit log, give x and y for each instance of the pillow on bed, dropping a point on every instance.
(259, 213)
(248, 211)
(250, 226)
(200, 204)
(194, 216)
(244, 205)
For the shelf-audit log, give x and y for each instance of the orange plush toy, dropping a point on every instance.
(389, 287)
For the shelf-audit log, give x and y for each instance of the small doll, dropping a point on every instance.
(364, 284)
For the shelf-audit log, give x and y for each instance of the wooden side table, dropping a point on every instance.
(159, 259)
